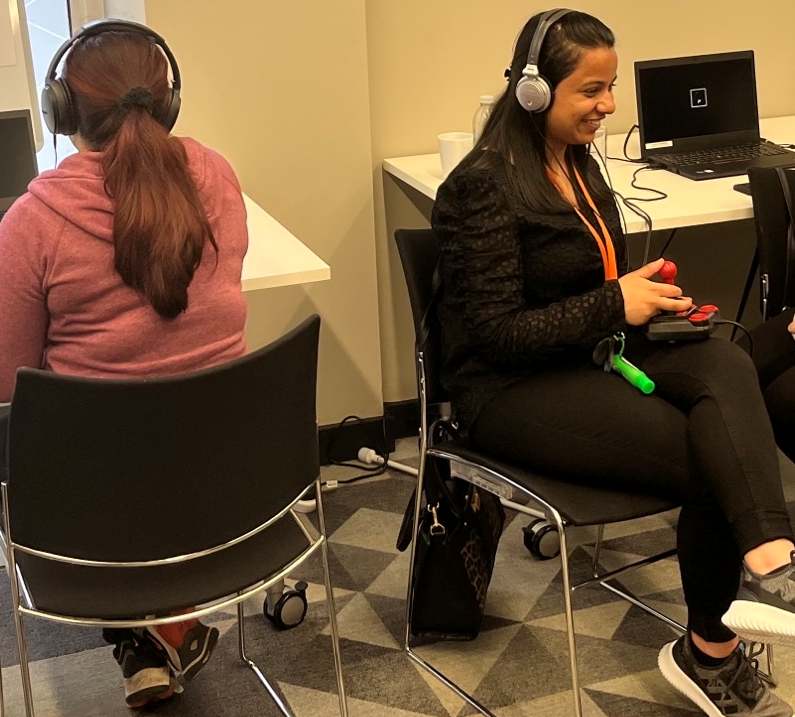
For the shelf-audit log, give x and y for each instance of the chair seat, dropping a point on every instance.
(577, 504)
(131, 593)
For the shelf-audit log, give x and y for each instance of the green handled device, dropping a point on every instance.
(633, 374)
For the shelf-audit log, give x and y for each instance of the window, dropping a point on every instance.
(48, 26)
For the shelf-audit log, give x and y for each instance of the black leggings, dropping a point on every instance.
(703, 437)
(774, 356)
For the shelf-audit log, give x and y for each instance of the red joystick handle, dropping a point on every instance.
(668, 272)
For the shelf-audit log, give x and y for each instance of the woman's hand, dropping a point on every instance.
(791, 327)
(644, 298)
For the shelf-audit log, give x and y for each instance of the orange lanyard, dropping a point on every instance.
(603, 241)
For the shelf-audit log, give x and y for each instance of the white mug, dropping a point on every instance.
(453, 146)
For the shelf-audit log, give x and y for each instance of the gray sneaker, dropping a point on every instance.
(733, 689)
(764, 610)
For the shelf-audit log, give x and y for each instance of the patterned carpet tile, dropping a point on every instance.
(518, 666)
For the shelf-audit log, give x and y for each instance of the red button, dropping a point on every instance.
(708, 308)
(699, 319)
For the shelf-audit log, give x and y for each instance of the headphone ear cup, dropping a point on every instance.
(169, 118)
(57, 108)
(533, 93)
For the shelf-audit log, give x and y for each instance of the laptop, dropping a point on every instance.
(18, 164)
(698, 116)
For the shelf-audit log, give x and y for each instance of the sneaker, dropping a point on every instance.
(187, 644)
(147, 676)
(734, 688)
(764, 610)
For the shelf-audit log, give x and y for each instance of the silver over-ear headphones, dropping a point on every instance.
(532, 90)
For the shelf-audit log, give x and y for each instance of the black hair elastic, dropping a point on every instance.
(136, 97)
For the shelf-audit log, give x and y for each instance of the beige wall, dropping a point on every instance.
(280, 88)
(307, 98)
(429, 61)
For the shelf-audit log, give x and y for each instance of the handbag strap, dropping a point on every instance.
(436, 488)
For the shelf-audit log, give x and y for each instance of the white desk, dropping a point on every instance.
(275, 257)
(689, 203)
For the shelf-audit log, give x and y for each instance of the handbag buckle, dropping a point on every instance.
(436, 528)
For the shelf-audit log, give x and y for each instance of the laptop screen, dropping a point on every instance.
(697, 102)
(17, 156)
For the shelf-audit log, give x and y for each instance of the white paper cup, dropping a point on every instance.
(452, 148)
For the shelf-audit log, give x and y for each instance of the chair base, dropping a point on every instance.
(314, 542)
(241, 632)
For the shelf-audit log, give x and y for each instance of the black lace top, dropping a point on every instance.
(520, 289)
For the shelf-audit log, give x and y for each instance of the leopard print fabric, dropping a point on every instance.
(477, 555)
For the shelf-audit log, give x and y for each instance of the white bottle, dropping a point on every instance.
(481, 115)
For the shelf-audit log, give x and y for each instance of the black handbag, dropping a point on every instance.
(460, 529)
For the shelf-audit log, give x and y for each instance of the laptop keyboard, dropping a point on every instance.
(721, 155)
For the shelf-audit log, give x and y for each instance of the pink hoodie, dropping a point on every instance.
(63, 306)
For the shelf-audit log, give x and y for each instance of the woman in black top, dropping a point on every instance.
(534, 272)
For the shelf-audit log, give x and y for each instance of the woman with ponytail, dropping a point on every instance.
(124, 261)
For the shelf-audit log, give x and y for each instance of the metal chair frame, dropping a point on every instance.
(24, 605)
(498, 483)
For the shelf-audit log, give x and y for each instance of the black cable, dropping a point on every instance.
(635, 210)
(626, 157)
(369, 470)
(668, 241)
(738, 325)
(660, 194)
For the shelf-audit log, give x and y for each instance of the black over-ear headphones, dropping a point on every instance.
(532, 90)
(57, 104)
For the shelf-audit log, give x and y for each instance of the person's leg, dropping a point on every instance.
(780, 401)
(773, 348)
(733, 447)
(588, 426)
(774, 358)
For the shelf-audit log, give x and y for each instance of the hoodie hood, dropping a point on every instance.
(75, 189)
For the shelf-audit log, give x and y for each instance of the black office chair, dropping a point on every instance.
(563, 504)
(134, 498)
(774, 221)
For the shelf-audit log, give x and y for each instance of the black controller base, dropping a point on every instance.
(693, 325)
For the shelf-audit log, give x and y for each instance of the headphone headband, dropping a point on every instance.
(97, 28)
(548, 19)
(56, 99)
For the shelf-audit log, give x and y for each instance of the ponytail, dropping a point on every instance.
(159, 223)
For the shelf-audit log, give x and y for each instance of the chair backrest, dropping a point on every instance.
(773, 198)
(419, 256)
(143, 469)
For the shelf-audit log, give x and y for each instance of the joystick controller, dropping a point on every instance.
(668, 272)
(698, 322)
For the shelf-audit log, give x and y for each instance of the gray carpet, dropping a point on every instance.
(517, 666)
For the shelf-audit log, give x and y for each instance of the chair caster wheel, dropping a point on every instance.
(290, 609)
(541, 539)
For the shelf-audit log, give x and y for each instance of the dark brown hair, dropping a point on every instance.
(159, 223)
(518, 136)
